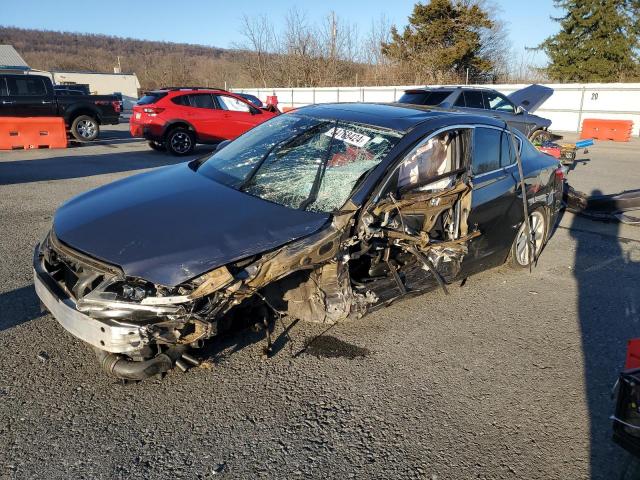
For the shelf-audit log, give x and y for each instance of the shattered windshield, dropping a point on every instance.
(301, 162)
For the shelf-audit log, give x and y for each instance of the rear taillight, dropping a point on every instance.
(153, 111)
(560, 174)
(117, 106)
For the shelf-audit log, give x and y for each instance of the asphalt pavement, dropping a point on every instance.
(507, 377)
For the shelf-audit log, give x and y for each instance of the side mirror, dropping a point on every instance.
(222, 144)
(519, 110)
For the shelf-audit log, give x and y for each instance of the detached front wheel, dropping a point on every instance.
(180, 141)
(521, 254)
(85, 128)
(539, 137)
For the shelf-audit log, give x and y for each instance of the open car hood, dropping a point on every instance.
(532, 97)
(172, 224)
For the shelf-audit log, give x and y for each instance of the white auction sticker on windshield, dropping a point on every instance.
(349, 136)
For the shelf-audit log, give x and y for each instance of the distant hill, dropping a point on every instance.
(155, 63)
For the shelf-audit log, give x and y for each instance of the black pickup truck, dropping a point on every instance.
(34, 96)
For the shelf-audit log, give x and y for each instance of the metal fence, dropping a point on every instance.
(567, 108)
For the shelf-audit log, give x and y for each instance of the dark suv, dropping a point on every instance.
(175, 119)
(515, 109)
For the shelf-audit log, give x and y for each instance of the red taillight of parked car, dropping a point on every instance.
(560, 174)
(153, 111)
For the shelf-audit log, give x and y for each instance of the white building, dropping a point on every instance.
(103, 83)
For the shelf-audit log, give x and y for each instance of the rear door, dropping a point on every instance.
(31, 95)
(494, 205)
(200, 110)
(238, 116)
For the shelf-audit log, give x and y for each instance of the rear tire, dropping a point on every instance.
(158, 146)
(85, 128)
(180, 141)
(519, 254)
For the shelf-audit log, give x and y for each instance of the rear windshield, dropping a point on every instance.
(419, 97)
(151, 97)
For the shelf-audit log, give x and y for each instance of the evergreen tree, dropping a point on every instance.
(598, 41)
(444, 38)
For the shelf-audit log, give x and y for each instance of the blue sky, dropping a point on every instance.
(214, 23)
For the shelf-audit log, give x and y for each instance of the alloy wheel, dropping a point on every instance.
(86, 128)
(536, 221)
(180, 142)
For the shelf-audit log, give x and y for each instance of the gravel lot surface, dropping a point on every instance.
(507, 377)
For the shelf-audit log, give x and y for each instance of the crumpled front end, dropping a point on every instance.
(97, 303)
(137, 321)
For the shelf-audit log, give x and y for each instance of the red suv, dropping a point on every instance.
(175, 119)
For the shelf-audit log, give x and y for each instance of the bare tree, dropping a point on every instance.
(260, 41)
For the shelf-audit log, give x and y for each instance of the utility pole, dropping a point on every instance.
(334, 34)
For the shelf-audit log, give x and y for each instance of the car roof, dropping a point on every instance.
(188, 89)
(448, 89)
(394, 116)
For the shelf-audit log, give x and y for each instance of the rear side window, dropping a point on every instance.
(419, 97)
(202, 100)
(151, 97)
(232, 104)
(487, 146)
(508, 154)
(473, 99)
(3, 88)
(27, 86)
(181, 100)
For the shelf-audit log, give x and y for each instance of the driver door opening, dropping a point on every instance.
(414, 234)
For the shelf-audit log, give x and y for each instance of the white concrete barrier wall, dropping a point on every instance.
(567, 108)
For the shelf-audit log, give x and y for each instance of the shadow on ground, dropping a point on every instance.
(77, 166)
(18, 306)
(609, 314)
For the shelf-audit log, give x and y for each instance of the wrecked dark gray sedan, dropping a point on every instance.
(321, 214)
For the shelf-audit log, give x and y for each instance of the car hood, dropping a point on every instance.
(538, 121)
(532, 97)
(172, 224)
